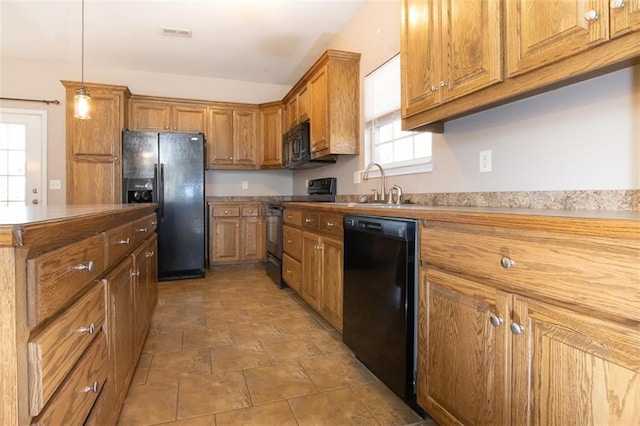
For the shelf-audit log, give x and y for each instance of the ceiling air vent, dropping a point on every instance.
(175, 32)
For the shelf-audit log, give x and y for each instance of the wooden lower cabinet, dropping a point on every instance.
(322, 267)
(501, 342)
(236, 233)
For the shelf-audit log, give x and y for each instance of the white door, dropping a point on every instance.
(23, 153)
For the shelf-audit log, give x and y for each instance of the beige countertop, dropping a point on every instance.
(39, 225)
(614, 223)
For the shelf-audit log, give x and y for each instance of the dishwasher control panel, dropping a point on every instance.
(403, 229)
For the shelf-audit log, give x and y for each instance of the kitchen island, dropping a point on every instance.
(525, 316)
(70, 276)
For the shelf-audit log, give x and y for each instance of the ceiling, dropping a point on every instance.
(266, 41)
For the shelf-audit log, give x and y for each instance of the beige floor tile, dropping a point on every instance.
(275, 413)
(214, 393)
(287, 348)
(207, 337)
(150, 404)
(179, 364)
(268, 313)
(209, 420)
(336, 371)
(238, 356)
(385, 406)
(236, 303)
(163, 342)
(329, 342)
(227, 317)
(276, 300)
(178, 319)
(298, 326)
(338, 407)
(278, 382)
(139, 376)
(144, 361)
(297, 310)
(249, 332)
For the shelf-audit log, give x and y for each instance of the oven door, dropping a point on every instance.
(274, 243)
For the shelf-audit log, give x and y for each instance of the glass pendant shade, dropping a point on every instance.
(82, 104)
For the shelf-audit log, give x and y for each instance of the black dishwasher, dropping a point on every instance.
(380, 299)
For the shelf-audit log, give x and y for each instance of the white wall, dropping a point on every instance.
(228, 183)
(581, 137)
(41, 80)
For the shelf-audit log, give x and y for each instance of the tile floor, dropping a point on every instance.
(234, 349)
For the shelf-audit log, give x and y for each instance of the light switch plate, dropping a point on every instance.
(54, 184)
(356, 176)
(245, 184)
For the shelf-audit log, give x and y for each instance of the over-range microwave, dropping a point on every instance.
(296, 149)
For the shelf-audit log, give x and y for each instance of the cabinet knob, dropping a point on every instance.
(93, 388)
(288, 271)
(330, 225)
(506, 262)
(226, 212)
(88, 267)
(443, 84)
(250, 211)
(142, 229)
(150, 253)
(495, 320)
(434, 88)
(308, 220)
(616, 4)
(591, 15)
(289, 242)
(91, 329)
(136, 273)
(517, 328)
(126, 242)
(154, 223)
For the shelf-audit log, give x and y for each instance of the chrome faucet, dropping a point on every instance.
(366, 177)
(398, 194)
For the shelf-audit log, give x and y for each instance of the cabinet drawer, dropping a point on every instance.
(310, 221)
(54, 351)
(331, 224)
(221, 211)
(119, 243)
(291, 272)
(251, 211)
(292, 217)
(595, 273)
(73, 401)
(292, 241)
(143, 228)
(55, 277)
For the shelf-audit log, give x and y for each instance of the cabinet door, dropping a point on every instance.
(140, 297)
(472, 47)
(187, 118)
(149, 116)
(570, 369)
(219, 137)
(330, 302)
(225, 240)
(625, 17)
(541, 32)
(152, 265)
(291, 116)
(253, 235)
(303, 105)
(420, 54)
(120, 326)
(245, 138)
(318, 113)
(311, 264)
(462, 356)
(271, 136)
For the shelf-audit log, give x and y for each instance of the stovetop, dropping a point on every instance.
(322, 190)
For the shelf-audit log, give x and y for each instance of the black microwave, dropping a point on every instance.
(296, 149)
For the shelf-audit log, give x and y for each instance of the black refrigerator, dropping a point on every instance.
(168, 169)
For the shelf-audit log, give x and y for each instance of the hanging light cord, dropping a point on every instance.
(82, 66)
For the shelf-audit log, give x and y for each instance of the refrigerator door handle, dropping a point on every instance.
(161, 192)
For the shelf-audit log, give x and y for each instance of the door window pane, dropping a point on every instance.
(12, 163)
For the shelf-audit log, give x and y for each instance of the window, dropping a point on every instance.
(12, 164)
(399, 152)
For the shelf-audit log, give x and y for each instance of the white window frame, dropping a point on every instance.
(419, 165)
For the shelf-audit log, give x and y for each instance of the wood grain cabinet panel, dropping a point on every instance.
(119, 243)
(624, 16)
(292, 217)
(72, 402)
(54, 351)
(236, 233)
(292, 241)
(166, 115)
(232, 137)
(271, 135)
(291, 272)
(55, 277)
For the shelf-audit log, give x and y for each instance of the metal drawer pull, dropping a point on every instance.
(289, 217)
(289, 242)
(136, 273)
(154, 223)
(88, 267)
(308, 220)
(127, 241)
(330, 225)
(250, 211)
(93, 388)
(150, 253)
(91, 329)
(506, 262)
(226, 212)
(288, 271)
(517, 328)
(496, 321)
(142, 229)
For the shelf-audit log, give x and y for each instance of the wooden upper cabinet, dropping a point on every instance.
(93, 145)
(296, 108)
(232, 137)
(542, 32)
(332, 99)
(449, 48)
(624, 16)
(157, 115)
(271, 135)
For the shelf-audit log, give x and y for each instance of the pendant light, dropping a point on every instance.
(82, 98)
